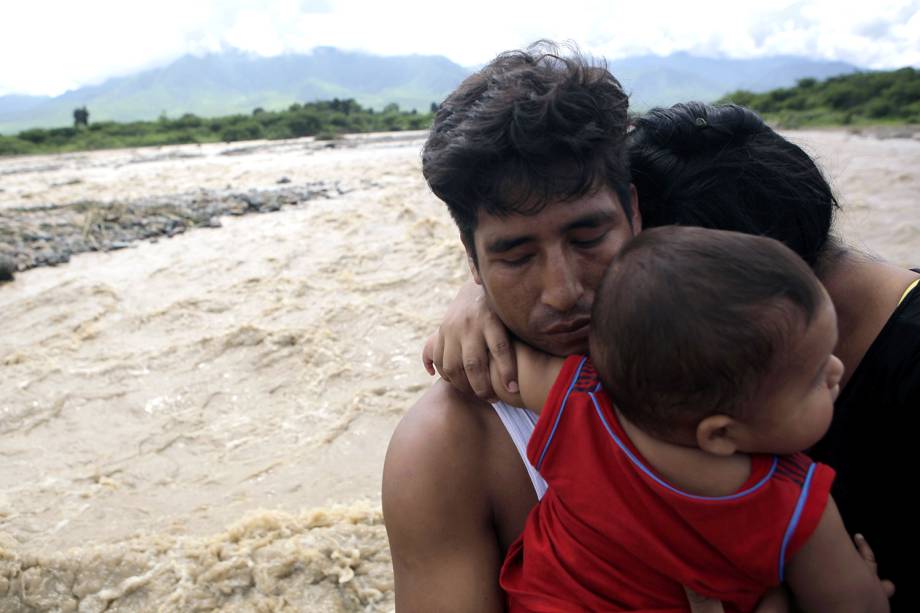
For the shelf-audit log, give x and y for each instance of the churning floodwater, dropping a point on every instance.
(199, 423)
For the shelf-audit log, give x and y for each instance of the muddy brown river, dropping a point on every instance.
(200, 423)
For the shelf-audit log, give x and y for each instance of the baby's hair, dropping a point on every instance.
(688, 322)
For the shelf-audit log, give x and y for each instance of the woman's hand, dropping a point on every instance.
(701, 604)
(862, 546)
(777, 600)
(774, 601)
(471, 336)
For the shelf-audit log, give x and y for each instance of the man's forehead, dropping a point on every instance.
(601, 207)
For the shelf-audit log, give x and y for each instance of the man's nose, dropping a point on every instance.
(562, 287)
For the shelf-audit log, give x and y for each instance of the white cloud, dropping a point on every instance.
(49, 46)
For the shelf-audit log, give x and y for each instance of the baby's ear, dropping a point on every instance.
(715, 434)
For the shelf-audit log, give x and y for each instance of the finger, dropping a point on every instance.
(701, 604)
(428, 354)
(500, 352)
(437, 353)
(776, 600)
(862, 546)
(452, 368)
(476, 367)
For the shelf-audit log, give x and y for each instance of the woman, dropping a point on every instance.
(722, 167)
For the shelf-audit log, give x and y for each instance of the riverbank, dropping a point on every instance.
(54, 207)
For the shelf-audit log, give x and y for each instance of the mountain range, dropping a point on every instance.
(653, 80)
(236, 82)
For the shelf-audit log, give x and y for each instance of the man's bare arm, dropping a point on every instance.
(437, 511)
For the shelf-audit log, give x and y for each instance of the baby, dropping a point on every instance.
(673, 454)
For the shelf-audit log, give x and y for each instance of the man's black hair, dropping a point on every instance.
(723, 167)
(689, 322)
(532, 127)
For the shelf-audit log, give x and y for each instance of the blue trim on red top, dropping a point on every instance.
(559, 413)
(794, 522)
(638, 463)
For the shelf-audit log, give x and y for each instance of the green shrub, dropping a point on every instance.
(878, 109)
(36, 136)
(243, 130)
(304, 124)
(11, 145)
(188, 121)
(326, 119)
(854, 98)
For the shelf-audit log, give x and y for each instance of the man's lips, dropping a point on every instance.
(568, 327)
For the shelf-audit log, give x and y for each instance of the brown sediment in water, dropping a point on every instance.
(200, 423)
(333, 559)
(877, 182)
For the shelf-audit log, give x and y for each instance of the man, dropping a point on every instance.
(528, 154)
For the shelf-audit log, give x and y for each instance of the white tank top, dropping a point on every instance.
(520, 423)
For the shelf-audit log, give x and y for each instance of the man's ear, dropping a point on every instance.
(471, 261)
(716, 434)
(635, 215)
(474, 270)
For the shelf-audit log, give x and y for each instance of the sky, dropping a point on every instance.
(51, 46)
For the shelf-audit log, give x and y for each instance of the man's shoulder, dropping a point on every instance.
(443, 426)
(438, 504)
(433, 472)
(452, 449)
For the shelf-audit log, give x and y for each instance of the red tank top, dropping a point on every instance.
(612, 535)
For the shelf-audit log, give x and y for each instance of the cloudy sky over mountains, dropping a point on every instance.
(51, 46)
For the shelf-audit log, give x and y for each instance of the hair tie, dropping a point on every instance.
(701, 122)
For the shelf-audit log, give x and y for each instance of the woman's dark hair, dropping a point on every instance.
(723, 167)
(688, 322)
(532, 127)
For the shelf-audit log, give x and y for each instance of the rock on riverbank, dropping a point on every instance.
(50, 235)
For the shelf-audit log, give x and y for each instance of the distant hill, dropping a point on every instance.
(236, 82)
(661, 81)
(16, 103)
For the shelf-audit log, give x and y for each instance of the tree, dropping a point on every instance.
(241, 130)
(80, 117)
